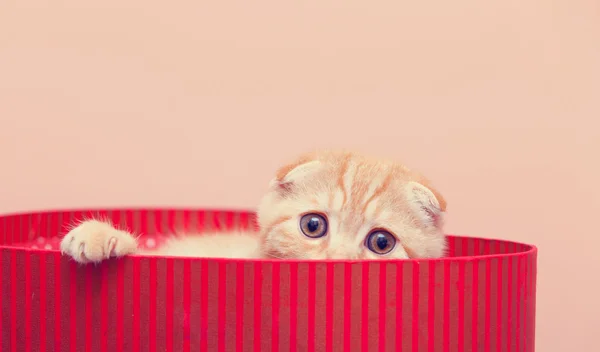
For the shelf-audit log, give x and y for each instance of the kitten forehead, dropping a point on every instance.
(356, 183)
(353, 182)
(360, 176)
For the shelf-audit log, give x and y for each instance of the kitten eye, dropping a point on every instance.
(313, 225)
(381, 242)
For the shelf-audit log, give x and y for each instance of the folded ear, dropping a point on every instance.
(294, 173)
(427, 203)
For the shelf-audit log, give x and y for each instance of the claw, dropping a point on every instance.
(81, 252)
(112, 244)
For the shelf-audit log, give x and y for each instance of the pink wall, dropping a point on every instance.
(130, 102)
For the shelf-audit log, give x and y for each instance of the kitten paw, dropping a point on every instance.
(93, 241)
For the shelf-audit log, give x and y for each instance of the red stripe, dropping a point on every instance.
(169, 306)
(416, 307)
(187, 287)
(509, 305)
(222, 305)
(204, 306)
(530, 304)
(382, 304)
(431, 309)
(73, 307)
(530, 293)
(129, 220)
(7, 230)
(257, 304)
(499, 286)
(461, 305)
(200, 220)
(136, 305)
(104, 307)
(216, 221)
(171, 221)
(56, 227)
(157, 226)
(88, 308)
(229, 220)
(399, 304)
(329, 308)
(310, 337)
(365, 307)
(488, 308)
(17, 229)
(13, 301)
(120, 299)
(42, 293)
(446, 306)
(8, 225)
(475, 305)
(57, 300)
(27, 302)
(144, 230)
(532, 284)
(293, 307)
(275, 304)
(347, 304)
(519, 282)
(186, 220)
(29, 233)
(28, 230)
(1, 289)
(526, 312)
(239, 314)
(243, 221)
(152, 299)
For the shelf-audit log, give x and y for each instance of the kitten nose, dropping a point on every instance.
(340, 254)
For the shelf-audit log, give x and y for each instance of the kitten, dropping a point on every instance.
(325, 205)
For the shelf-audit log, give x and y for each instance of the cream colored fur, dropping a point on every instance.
(356, 194)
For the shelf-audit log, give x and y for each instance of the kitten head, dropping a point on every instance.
(340, 205)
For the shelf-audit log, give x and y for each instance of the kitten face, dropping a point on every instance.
(337, 205)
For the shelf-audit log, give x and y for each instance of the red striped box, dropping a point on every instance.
(480, 298)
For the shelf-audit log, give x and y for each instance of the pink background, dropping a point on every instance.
(195, 103)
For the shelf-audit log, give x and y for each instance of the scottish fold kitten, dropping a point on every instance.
(324, 205)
